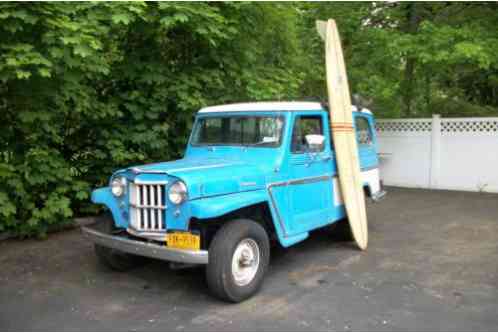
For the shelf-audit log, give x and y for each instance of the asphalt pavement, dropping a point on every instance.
(431, 264)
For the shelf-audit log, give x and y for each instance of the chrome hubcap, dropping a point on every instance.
(245, 262)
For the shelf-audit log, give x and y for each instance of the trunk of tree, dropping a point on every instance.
(409, 74)
(428, 91)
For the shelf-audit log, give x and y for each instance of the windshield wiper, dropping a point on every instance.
(261, 143)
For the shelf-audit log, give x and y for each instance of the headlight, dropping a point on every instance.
(118, 186)
(177, 193)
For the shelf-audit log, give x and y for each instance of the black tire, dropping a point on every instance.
(341, 230)
(219, 275)
(117, 260)
(111, 258)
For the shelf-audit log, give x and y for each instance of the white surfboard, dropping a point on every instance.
(341, 118)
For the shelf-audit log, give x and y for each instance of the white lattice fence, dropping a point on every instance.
(404, 125)
(470, 125)
(449, 153)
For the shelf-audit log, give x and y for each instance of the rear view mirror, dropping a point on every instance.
(315, 142)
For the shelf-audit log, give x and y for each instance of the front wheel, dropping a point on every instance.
(238, 259)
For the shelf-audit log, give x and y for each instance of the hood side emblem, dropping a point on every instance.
(136, 171)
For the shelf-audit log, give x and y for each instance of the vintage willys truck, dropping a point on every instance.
(252, 174)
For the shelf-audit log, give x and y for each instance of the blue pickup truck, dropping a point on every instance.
(252, 174)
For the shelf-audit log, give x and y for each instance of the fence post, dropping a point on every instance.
(435, 151)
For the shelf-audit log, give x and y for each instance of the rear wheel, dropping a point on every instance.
(341, 230)
(238, 259)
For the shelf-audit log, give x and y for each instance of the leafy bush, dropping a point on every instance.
(90, 87)
(86, 88)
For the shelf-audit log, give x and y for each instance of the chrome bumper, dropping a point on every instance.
(143, 248)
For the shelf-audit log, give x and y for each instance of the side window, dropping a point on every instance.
(303, 126)
(363, 133)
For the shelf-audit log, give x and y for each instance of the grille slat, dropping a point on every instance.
(152, 190)
(160, 202)
(145, 202)
(147, 207)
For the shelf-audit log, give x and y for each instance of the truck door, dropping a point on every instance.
(310, 183)
(363, 124)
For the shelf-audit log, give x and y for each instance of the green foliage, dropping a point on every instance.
(409, 58)
(86, 88)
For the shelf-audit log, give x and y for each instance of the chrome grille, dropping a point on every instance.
(147, 206)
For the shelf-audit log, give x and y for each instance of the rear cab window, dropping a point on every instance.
(364, 135)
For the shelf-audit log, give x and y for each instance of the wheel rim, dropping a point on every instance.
(245, 262)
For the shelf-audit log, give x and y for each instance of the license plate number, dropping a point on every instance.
(183, 240)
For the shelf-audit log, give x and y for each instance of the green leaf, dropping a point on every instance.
(121, 18)
(21, 74)
(81, 195)
(44, 72)
(82, 50)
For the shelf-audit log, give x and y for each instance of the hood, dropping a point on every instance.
(206, 176)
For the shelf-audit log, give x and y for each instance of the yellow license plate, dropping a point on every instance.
(183, 240)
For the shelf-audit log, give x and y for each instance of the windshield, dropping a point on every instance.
(261, 131)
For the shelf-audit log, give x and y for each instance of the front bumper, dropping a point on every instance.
(143, 248)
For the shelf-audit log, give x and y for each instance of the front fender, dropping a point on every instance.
(104, 196)
(211, 207)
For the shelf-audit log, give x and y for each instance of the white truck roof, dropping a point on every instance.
(269, 106)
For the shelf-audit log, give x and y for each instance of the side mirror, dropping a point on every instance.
(315, 142)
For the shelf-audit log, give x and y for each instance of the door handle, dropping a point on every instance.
(317, 158)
